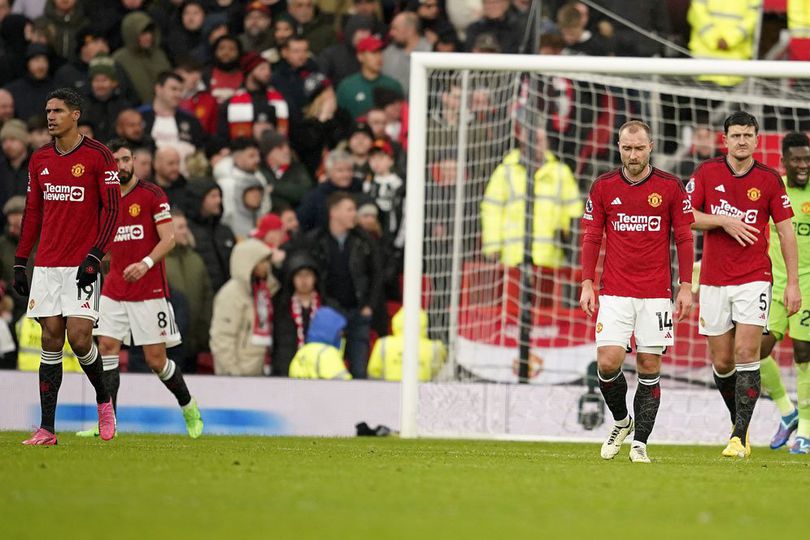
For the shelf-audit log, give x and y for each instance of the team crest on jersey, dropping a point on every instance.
(806, 208)
(134, 209)
(655, 200)
(754, 194)
(599, 327)
(77, 170)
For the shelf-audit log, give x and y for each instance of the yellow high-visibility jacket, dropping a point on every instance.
(318, 361)
(29, 335)
(503, 210)
(386, 357)
(798, 18)
(734, 21)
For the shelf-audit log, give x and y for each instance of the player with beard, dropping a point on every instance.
(72, 209)
(257, 102)
(134, 301)
(638, 207)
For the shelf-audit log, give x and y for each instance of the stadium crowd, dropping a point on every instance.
(287, 122)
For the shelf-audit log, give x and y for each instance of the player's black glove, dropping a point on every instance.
(20, 283)
(89, 269)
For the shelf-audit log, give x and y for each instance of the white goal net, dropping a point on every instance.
(479, 128)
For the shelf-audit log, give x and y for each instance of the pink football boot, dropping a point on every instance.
(106, 421)
(41, 437)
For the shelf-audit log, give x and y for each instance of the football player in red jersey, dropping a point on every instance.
(72, 208)
(734, 197)
(134, 301)
(638, 207)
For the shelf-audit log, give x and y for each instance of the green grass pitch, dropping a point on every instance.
(154, 486)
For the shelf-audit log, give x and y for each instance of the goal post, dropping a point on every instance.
(508, 80)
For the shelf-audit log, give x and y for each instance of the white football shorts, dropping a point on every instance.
(721, 307)
(54, 292)
(650, 319)
(145, 322)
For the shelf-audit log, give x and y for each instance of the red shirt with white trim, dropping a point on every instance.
(143, 208)
(638, 220)
(755, 196)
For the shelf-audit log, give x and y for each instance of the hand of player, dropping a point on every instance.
(88, 271)
(683, 302)
(20, 283)
(135, 271)
(743, 233)
(587, 300)
(793, 299)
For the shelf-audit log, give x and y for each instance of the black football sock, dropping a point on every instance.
(173, 379)
(727, 385)
(645, 405)
(50, 379)
(614, 390)
(91, 364)
(749, 385)
(112, 377)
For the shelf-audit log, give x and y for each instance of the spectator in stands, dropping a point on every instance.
(368, 219)
(142, 157)
(339, 60)
(292, 71)
(12, 212)
(109, 19)
(652, 16)
(270, 230)
(351, 274)
(129, 126)
(486, 43)
(244, 192)
(320, 357)
(724, 30)
(195, 97)
(186, 37)
(289, 179)
(395, 107)
(30, 8)
(405, 39)
(289, 220)
(76, 72)
(432, 20)
(498, 21)
(578, 39)
(312, 213)
(557, 205)
(324, 125)
(293, 309)
(376, 120)
(141, 56)
(6, 106)
(386, 358)
(703, 147)
(355, 93)
(242, 322)
(316, 27)
(67, 18)
(257, 104)
(13, 160)
(283, 27)
(14, 32)
(186, 274)
(167, 175)
(258, 35)
(225, 76)
(359, 144)
(214, 240)
(385, 188)
(38, 135)
(104, 101)
(31, 90)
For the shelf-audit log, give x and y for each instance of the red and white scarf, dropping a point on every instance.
(297, 312)
(262, 315)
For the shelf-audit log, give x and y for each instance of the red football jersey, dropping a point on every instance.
(638, 220)
(755, 197)
(143, 208)
(72, 204)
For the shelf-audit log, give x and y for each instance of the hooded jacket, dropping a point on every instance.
(385, 361)
(232, 322)
(236, 215)
(285, 338)
(141, 66)
(320, 358)
(214, 239)
(66, 27)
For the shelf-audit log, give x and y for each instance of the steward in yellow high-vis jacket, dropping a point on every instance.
(386, 357)
(503, 210)
(723, 29)
(320, 357)
(29, 336)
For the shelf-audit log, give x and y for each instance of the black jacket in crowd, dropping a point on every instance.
(214, 241)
